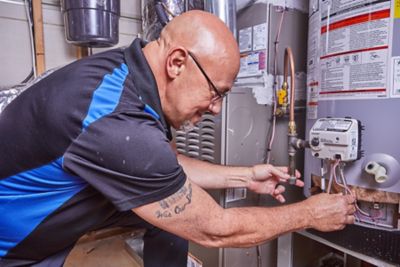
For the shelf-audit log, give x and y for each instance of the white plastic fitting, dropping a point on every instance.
(379, 172)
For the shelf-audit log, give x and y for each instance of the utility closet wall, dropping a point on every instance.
(15, 42)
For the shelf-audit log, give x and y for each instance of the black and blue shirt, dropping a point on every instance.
(85, 143)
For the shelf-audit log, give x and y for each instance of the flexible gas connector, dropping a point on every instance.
(292, 134)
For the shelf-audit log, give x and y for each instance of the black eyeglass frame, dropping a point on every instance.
(218, 94)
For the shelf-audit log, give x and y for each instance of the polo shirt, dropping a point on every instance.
(83, 145)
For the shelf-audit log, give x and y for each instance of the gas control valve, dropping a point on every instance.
(336, 138)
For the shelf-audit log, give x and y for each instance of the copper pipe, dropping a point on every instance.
(292, 134)
(289, 59)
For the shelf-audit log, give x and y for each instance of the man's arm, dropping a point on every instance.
(192, 214)
(262, 179)
(212, 176)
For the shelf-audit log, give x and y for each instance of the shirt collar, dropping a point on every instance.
(144, 80)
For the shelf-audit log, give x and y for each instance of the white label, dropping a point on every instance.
(252, 64)
(396, 77)
(245, 38)
(313, 76)
(349, 7)
(312, 111)
(332, 125)
(260, 36)
(354, 49)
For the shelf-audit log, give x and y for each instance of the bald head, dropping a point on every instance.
(206, 36)
(195, 59)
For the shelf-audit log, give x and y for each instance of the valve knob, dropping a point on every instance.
(315, 141)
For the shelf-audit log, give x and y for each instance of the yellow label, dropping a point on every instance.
(397, 9)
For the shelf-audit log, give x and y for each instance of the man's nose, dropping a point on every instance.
(215, 107)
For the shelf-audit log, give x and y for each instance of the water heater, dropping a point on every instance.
(353, 74)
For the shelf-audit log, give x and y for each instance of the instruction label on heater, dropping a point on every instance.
(313, 61)
(260, 36)
(396, 77)
(332, 125)
(354, 48)
(245, 39)
(252, 64)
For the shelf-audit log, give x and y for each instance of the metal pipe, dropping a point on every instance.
(292, 134)
(290, 61)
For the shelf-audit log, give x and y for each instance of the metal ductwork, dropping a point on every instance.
(151, 21)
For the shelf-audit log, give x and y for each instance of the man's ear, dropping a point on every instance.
(176, 61)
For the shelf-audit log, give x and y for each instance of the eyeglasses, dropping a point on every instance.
(218, 95)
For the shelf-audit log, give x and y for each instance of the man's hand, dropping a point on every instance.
(266, 179)
(330, 212)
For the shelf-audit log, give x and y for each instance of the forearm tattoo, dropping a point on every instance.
(176, 203)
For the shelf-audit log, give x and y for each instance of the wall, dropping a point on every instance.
(15, 51)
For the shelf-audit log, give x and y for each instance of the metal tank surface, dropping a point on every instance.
(354, 72)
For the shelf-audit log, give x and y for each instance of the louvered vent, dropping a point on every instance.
(203, 142)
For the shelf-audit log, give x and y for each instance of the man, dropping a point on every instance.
(88, 147)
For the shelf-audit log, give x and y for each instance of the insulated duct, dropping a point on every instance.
(8, 94)
(151, 22)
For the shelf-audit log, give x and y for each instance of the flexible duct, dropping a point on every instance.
(151, 20)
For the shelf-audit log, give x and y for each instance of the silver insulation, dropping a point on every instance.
(151, 26)
(8, 94)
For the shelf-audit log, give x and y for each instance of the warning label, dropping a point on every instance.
(252, 64)
(354, 49)
(396, 77)
(313, 62)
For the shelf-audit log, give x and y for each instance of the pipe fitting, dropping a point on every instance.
(379, 172)
(292, 128)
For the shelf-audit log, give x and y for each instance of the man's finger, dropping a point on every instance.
(299, 183)
(350, 199)
(279, 190)
(285, 170)
(350, 219)
(282, 168)
(351, 210)
(280, 198)
(276, 171)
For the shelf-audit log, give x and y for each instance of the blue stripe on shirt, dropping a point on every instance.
(27, 198)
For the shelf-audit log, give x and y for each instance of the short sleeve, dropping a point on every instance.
(127, 158)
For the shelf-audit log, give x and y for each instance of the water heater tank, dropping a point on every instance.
(91, 23)
(353, 71)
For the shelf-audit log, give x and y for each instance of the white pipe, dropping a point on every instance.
(379, 172)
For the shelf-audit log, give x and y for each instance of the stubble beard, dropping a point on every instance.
(187, 126)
